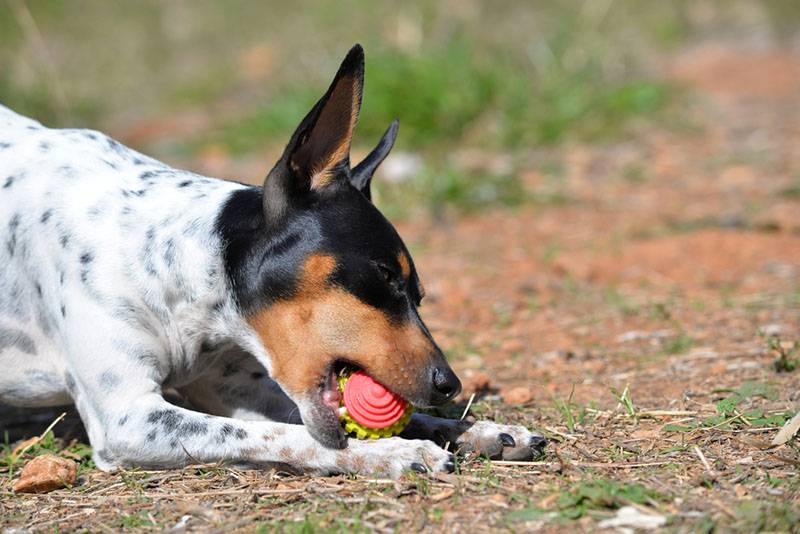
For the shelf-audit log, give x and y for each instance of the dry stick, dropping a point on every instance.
(645, 413)
(563, 435)
(187, 496)
(667, 413)
(41, 436)
(192, 458)
(610, 465)
(742, 418)
(463, 415)
(34, 525)
(702, 457)
(469, 405)
(723, 423)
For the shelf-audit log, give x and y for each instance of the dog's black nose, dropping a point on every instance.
(446, 385)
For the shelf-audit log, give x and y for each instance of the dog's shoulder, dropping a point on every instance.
(12, 123)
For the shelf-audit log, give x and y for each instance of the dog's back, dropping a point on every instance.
(86, 223)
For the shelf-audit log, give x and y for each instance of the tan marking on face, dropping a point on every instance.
(405, 265)
(306, 333)
(405, 268)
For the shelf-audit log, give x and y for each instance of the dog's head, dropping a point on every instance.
(326, 280)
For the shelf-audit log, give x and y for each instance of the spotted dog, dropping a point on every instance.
(123, 278)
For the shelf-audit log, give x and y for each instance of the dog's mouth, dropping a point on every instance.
(322, 417)
(330, 394)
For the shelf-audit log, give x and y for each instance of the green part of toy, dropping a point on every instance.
(359, 430)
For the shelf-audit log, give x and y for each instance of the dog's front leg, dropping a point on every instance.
(150, 432)
(157, 434)
(496, 441)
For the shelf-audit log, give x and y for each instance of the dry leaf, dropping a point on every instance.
(788, 431)
(442, 495)
(25, 445)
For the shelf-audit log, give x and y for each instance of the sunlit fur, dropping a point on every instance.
(123, 277)
(323, 322)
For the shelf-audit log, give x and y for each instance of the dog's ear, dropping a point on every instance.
(320, 147)
(361, 175)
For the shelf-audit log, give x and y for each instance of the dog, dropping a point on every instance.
(124, 278)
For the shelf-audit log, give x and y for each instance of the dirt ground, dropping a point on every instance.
(636, 322)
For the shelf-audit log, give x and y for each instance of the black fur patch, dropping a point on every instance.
(11, 337)
(109, 380)
(264, 265)
(13, 225)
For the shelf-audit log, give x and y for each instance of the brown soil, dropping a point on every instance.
(671, 252)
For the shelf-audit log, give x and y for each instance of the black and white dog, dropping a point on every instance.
(122, 277)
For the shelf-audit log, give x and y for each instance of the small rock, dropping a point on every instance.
(479, 382)
(773, 330)
(630, 517)
(636, 335)
(46, 473)
(518, 395)
(512, 345)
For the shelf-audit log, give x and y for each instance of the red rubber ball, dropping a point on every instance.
(370, 404)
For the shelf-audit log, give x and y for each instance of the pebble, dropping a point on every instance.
(46, 473)
(517, 395)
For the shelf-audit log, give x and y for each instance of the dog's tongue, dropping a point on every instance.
(370, 404)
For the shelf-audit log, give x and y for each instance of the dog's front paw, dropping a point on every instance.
(391, 457)
(501, 442)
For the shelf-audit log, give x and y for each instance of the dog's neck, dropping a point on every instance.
(184, 274)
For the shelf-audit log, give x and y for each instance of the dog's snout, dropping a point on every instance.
(446, 384)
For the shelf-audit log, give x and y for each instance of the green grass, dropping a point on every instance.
(453, 95)
(787, 358)
(135, 520)
(766, 516)
(625, 400)
(679, 344)
(572, 414)
(734, 412)
(500, 80)
(592, 494)
(74, 450)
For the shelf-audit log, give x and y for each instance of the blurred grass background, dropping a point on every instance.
(212, 84)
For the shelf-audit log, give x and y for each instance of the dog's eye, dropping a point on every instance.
(390, 275)
(387, 273)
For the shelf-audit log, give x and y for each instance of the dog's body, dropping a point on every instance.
(122, 277)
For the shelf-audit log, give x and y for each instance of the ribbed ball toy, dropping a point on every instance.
(368, 410)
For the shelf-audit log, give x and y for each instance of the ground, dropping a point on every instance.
(643, 307)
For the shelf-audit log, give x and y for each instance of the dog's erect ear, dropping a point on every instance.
(361, 175)
(321, 144)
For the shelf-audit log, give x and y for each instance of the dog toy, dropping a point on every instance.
(368, 410)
